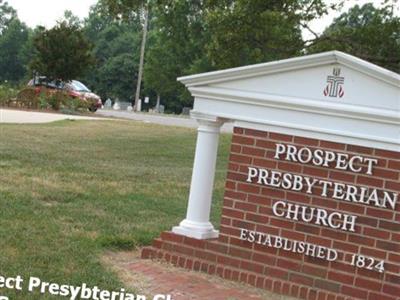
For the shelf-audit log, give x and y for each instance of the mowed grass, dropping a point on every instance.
(71, 190)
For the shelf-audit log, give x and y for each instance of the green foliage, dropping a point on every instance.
(43, 102)
(14, 45)
(176, 47)
(7, 93)
(7, 14)
(29, 97)
(366, 32)
(117, 76)
(124, 9)
(71, 19)
(55, 100)
(116, 51)
(187, 37)
(76, 104)
(246, 32)
(97, 21)
(62, 52)
(58, 100)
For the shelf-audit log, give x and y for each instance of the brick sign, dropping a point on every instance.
(336, 229)
(311, 205)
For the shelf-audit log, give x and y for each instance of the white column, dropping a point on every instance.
(197, 223)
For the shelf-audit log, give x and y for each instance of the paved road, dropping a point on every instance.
(157, 119)
(30, 117)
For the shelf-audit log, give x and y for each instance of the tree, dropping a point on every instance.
(13, 58)
(114, 43)
(113, 73)
(71, 19)
(246, 32)
(177, 40)
(189, 37)
(367, 32)
(125, 8)
(98, 20)
(7, 14)
(110, 83)
(62, 52)
(14, 45)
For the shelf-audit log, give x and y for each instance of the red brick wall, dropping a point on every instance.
(248, 205)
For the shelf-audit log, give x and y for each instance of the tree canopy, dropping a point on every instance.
(124, 9)
(15, 52)
(187, 37)
(7, 14)
(176, 48)
(367, 32)
(15, 45)
(62, 52)
(246, 32)
(116, 52)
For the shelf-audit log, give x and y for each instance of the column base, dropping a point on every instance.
(200, 231)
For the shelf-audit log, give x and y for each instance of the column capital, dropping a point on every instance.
(207, 119)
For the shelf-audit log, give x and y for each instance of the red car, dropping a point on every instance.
(74, 88)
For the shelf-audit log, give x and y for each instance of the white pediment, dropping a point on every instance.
(350, 87)
(330, 95)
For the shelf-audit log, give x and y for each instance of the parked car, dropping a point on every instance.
(74, 89)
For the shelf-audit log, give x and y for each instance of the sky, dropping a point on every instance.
(47, 12)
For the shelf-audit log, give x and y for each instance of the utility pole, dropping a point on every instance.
(142, 50)
(158, 103)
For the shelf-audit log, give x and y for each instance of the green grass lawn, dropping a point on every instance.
(71, 190)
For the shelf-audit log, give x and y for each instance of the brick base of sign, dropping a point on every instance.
(248, 205)
(216, 258)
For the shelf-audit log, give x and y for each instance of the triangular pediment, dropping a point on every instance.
(331, 95)
(330, 77)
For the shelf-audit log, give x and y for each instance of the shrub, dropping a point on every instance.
(7, 93)
(75, 104)
(30, 97)
(27, 98)
(54, 100)
(43, 101)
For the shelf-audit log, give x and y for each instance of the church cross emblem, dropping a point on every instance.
(334, 87)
